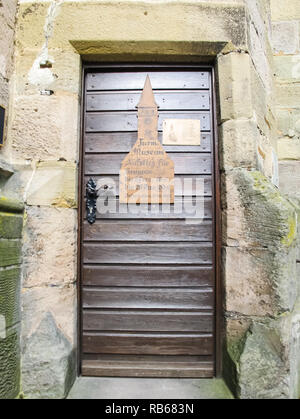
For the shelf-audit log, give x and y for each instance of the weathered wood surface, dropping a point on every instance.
(148, 344)
(160, 80)
(187, 163)
(147, 276)
(127, 121)
(122, 142)
(148, 287)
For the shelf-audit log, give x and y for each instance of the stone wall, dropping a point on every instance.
(286, 49)
(11, 222)
(7, 33)
(286, 46)
(259, 224)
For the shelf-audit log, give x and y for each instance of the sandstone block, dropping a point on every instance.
(63, 77)
(239, 144)
(262, 102)
(58, 300)
(235, 86)
(45, 127)
(264, 225)
(257, 215)
(263, 372)
(10, 296)
(11, 226)
(289, 148)
(248, 290)
(287, 67)
(10, 366)
(289, 177)
(48, 362)
(3, 92)
(286, 37)
(53, 184)
(82, 21)
(236, 329)
(289, 122)
(10, 252)
(259, 41)
(49, 233)
(7, 23)
(285, 10)
(288, 94)
(234, 223)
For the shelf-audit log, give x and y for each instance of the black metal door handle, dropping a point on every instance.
(91, 201)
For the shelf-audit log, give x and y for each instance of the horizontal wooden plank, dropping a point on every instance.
(183, 369)
(191, 209)
(122, 142)
(152, 344)
(142, 253)
(128, 121)
(136, 80)
(166, 100)
(154, 298)
(162, 321)
(150, 276)
(110, 164)
(147, 230)
(146, 358)
(184, 185)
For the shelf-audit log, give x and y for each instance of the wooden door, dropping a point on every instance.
(147, 280)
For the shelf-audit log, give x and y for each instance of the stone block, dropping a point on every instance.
(63, 77)
(234, 223)
(45, 127)
(287, 67)
(60, 300)
(289, 122)
(10, 252)
(11, 226)
(234, 86)
(8, 11)
(247, 284)
(288, 327)
(286, 37)
(262, 102)
(263, 224)
(239, 144)
(15, 187)
(53, 184)
(6, 170)
(236, 329)
(285, 10)
(259, 40)
(10, 296)
(288, 95)
(289, 148)
(82, 21)
(3, 92)
(10, 366)
(48, 362)
(262, 368)
(7, 23)
(289, 178)
(56, 261)
(257, 214)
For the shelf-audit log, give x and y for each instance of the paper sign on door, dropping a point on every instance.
(181, 132)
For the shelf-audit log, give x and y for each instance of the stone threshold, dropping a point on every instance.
(148, 388)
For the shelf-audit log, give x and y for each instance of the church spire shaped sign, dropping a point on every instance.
(147, 172)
